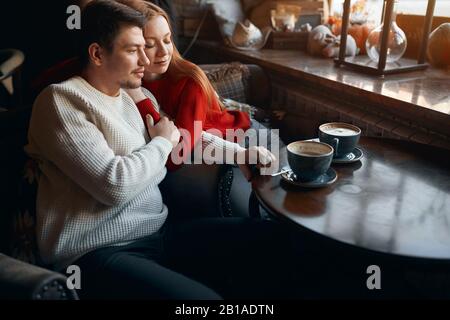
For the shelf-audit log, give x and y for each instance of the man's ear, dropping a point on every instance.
(96, 54)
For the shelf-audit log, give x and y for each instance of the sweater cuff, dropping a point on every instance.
(146, 107)
(162, 142)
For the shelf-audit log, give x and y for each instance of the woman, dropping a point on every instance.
(181, 88)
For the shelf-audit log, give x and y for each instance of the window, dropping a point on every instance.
(417, 7)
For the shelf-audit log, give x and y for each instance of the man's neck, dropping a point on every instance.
(100, 82)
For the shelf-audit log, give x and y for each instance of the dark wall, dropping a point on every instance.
(168, 7)
(38, 28)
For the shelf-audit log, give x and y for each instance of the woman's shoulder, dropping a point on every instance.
(183, 81)
(190, 87)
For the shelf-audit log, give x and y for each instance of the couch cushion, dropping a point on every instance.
(231, 104)
(230, 80)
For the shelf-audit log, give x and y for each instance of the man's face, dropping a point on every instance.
(125, 64)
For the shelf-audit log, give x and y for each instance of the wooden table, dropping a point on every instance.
(396, 200)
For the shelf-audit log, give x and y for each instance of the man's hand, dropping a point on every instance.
(136, 94)
(259, 156)
(164, 128)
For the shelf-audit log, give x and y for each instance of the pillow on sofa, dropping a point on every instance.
(230, 80)
(231, 104)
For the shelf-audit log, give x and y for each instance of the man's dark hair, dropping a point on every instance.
(101, 22)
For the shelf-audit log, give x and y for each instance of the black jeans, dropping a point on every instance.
(210, 258)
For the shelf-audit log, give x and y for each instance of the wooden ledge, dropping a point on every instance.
(423, 95)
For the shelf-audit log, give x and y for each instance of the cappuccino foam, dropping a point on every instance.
(309, 148)
(340, 131)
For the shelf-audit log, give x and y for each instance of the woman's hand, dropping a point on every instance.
(259, 156)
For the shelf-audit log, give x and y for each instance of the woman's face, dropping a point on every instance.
(158, 47)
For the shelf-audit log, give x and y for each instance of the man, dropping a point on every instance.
(98, 202)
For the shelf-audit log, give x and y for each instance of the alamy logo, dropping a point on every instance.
(74, 280)
(74, 20)
(374, 280)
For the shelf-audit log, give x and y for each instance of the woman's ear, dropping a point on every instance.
(96, 54)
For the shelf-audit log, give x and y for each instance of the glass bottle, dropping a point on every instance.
(397, 41)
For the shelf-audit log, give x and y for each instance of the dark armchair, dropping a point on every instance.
(20, 279)
(11, 61)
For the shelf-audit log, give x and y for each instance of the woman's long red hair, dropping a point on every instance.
(178, 67)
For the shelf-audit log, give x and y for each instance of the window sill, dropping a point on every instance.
(421, 96)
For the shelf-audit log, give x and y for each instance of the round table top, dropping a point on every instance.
(395, 200)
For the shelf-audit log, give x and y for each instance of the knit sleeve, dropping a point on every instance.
(149, 106)
(152, 98)
(146, 107)
(189, 119)
(218, 150)
(65, 136)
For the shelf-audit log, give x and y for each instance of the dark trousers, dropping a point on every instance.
(209, 258)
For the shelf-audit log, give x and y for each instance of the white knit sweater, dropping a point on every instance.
(100, 171)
